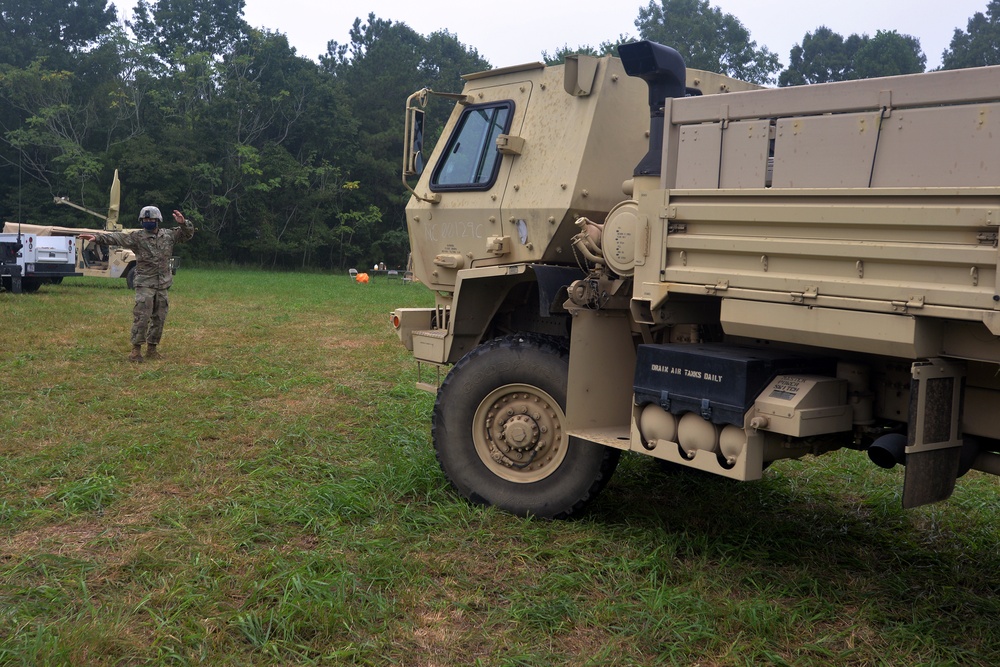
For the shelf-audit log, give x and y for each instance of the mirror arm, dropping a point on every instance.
(420, 97)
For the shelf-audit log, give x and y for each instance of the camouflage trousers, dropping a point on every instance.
(149, 315)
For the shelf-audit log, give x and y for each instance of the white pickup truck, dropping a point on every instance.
(28, 261)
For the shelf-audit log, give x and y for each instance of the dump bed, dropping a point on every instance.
(817, 213)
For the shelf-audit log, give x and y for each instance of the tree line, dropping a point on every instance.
(285, 162)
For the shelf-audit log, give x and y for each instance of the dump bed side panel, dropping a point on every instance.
(878, 196)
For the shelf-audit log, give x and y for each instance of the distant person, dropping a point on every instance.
(153, 247)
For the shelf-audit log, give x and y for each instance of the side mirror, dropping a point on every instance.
(414, 160)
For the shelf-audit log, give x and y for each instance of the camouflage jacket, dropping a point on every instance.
(152, 252)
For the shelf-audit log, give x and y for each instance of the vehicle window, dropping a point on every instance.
(471, 160)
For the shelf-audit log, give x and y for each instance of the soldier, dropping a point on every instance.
(153, 247)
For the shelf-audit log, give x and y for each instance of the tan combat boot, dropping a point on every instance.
(151, 352)
(135, 356)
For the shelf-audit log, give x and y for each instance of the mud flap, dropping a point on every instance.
(934, 441)
(12, 282)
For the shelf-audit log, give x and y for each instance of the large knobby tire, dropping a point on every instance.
(499, 431)
(130, 277)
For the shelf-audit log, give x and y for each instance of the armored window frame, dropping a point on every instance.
(471, 159)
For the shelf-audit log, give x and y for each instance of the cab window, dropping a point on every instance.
(471, 161)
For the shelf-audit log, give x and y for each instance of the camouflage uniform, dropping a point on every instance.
(152, 275)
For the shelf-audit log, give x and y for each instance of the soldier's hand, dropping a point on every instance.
(87, 237)
(178, 217)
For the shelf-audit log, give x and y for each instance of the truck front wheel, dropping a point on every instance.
(499, 431)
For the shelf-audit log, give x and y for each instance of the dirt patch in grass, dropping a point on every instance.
(70, 539)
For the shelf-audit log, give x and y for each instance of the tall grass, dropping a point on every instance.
(267, 495)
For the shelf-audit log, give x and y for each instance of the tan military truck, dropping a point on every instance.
(94, 260)
(714, 276)
(91, 259)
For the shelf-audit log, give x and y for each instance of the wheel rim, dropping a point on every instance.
(518, 433)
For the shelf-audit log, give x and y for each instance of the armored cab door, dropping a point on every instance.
(469, 178)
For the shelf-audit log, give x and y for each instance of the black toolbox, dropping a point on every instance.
(719, 381)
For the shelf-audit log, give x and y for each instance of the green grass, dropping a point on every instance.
(267, 495)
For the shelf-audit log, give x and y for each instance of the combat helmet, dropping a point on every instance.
(150, 212)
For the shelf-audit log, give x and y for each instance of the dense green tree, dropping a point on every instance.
(257, 164)
(826, 56)
(707, 39)
(57, 126)
(887, 54)
(57, 97)
(979, 44)
(295, 206)
(822, 57)
(382, 64)
(179, 28)
(444, 59)
(51, 29)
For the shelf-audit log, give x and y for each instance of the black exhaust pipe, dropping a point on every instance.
(663, 70)
(888, 450)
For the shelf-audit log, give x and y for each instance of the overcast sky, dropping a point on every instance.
(518, 31)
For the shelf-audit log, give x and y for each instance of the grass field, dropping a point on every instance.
(267, 495)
